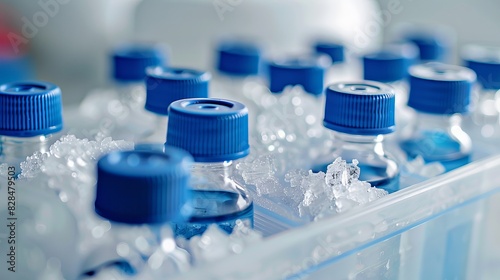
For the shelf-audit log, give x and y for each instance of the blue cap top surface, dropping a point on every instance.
(166, 85)
(211, 130)
(389, 64)
(307, 71)
(143, 187)
(239, 58)
(360, 108)
(438, 88)
(30, 108)
(485, 61)
(130, 61)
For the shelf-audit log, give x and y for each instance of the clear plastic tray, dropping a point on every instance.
(443, 228)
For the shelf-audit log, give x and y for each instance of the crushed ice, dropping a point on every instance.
(313, 195)
(429, 170)
(291, 125)
(215, 244)
(69, 170)
(71, 157)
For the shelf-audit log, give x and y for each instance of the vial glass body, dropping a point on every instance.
(378, 167)
(14, 150)
(216, 198)
(437, 138)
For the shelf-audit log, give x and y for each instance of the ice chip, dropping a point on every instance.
(210, 246)
(68, 169)
(4, 169)
(337, 190)
(216, 244)
(31, 166)
(290, 126)
(260, 172)
(419, 167)
(432, 169)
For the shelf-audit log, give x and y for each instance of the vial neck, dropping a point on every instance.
(160, 121)
(212, 169)
(434, 121)
(358, 139)
(235, 78)
(296, 93)
(162, 232)
(487, 108)
(359, 144)
(491, 93)
(14, 150)
(399, 84)
(235, 82)
(131, 92)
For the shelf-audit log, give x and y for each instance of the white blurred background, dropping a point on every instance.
(69, 45)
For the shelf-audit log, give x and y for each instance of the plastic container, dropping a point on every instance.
(320, 250)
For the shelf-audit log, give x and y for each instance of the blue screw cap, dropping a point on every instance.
(30, 108)
(143, 187)
(211, 130)
(332, 49)
(239, 58)
(438, 88)
(485, 61)
(360, 108)
(166, 85)
(432, 45)
(389, 64)
(130, 61)
(307, 71)
(15, 68)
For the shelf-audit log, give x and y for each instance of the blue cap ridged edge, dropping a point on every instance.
(485, 61)
(28, 114)
(438, 88)
(307, 71)
(143, 195)
(209, 136)
(335, 50)
(356, 112)
(130, 61)
(239, 58)
(433, 43)
(390, 63)
(165, 85)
